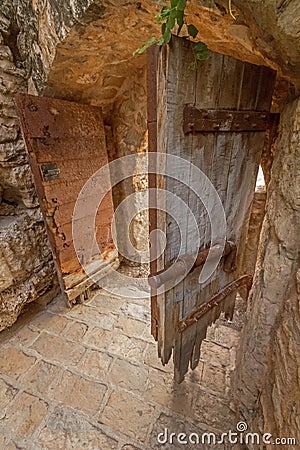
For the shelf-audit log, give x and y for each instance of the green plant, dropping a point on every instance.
(172, 19)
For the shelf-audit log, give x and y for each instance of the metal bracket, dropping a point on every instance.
(197, 313)
(186, 264)
(50, 171)
(212, 120)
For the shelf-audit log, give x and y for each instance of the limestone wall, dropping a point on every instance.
(269, 358)
(26, 267)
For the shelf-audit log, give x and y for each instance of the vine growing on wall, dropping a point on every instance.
(172, 19)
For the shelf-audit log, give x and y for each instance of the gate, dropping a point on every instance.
(66, 146)
(215, 118)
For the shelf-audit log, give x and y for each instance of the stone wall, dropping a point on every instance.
(26, 267)
(129, 128)
(269, 360)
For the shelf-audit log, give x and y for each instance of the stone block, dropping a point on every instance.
(127, 414)
(151, 359)
(161, 389)
(94, 316)
(132, 327)
(7, 393)
(116, 343)
(213, 378)
(75, 331)
(49, 322)
(13, 362)
(138, 312)
(223, 418)
(228, 336)
(107, 304)
(128, 376)
(215, 354)
(78, 393)
(40, 377)
(24, 415)
(95, 364)
(68, 430)
(54, 348)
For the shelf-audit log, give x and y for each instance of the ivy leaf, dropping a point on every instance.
(192, 30)
(200, 46)
(181, 5)
(175, 13)
(202, 51)
(164, 14)
(192, 65)
(171, 22)
(144, 47)
(174, 3)
(160, 41)
(167, 35)
(180, 21)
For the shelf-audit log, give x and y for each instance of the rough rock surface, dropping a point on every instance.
(26, 270)
(268, 370)
(26, 266)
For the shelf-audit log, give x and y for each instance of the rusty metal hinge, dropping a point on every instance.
(197, 313)
(222, 120)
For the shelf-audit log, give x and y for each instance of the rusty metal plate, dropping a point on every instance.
(66, 146)
(50, 171)
(211, 120)
(46, 118)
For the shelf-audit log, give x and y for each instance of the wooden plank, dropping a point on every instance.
(231, 162)
(152, 62)
(206, 95)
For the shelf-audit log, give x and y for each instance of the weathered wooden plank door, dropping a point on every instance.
(215, 119)
(66, 146)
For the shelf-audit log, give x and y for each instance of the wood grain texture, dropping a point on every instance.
(229, 159)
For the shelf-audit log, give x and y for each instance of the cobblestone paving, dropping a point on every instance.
(90, 378)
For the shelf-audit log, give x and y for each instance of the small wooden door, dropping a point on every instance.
(215, 118)
(66, 146)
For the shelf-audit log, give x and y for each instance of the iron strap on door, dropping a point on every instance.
(214, 118)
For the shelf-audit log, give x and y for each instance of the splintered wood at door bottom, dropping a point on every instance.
(195, 315)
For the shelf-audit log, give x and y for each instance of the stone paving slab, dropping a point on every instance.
(90, 378)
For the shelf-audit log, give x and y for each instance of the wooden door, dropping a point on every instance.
(66, 146)
(214, 118)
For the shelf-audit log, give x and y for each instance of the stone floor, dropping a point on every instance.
(90, 378)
